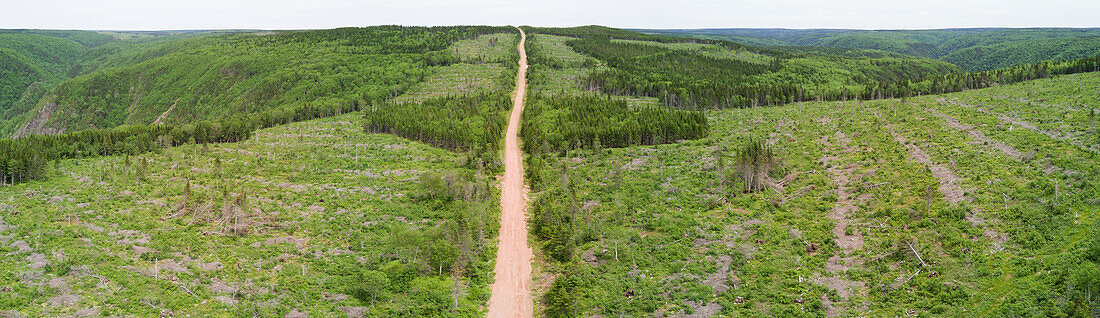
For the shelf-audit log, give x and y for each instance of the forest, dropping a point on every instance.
(566, 123)
(196, 77)
(684, 79)
(127, 126)
(691, 80)
(972, 49)
(28, 58)
(470, 124)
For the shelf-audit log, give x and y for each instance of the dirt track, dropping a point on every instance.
(511, 288)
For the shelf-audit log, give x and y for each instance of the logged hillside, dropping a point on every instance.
(970, 49)
(226, 75)
(720, 74)
(352, 172)
(979, 203)
(312, 218)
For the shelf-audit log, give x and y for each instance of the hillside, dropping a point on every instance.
(970, 49)
(215, 75)
(314, 217)
(33, 61)
(697, 74)
(1001, 55)
(41, 59)
(479, 171)
(981, 203)
(176, 78)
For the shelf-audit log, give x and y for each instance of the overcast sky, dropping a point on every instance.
(314, 14)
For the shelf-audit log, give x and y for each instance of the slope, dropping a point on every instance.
(987, 57)
(936, 44)
(222, 75)
(976, 203)
(311, 218)
(28, 59)
(721, 74)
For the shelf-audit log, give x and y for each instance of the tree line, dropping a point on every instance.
(563, 123)
(473, 123)
(28, 158)
(684, 79)
(213, 76)
(977, 80)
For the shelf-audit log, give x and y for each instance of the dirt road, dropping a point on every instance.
(511, 288)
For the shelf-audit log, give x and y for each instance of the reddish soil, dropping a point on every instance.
(846, 178)
(978, 135)
(160, 119)
(846, 202)
(511, 289)
(949, 186)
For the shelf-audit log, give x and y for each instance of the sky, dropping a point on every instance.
(678, 14)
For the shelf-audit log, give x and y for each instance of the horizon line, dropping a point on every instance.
(7, 28)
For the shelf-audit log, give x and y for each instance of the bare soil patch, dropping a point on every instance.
(845, 177)
(979, 136)
(949, 186)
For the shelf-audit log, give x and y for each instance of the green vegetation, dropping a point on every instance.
(756, 164)
(467, 123)
(315, 217)
(24, 158)
(31, 60)
(488, 64)
(220, 75)
(556, 69)
(707, 49)
(219, 218)
(974, 203)
(702, 79)
(564, 123)
(970, 49)
(352, 171)
(883, 208)
(1010, 54)
(247, 74)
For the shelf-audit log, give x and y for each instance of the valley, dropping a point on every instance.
(527, 171)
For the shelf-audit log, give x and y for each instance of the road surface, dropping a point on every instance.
(511, 289)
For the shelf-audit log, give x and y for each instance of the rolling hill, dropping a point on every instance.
(378, 172)
(976, 203)
(33, 61)
(957, 46)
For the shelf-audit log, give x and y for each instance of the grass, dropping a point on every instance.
(565, 78)
(659, 233)
(314, 217)
(711, 50)
(488, 48)
(323, 204)
(460, 79)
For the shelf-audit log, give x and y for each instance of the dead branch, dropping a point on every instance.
(910, 244)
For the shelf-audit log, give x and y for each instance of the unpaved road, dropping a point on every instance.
(511, 287)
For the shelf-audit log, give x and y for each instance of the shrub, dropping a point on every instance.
(755, 162)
